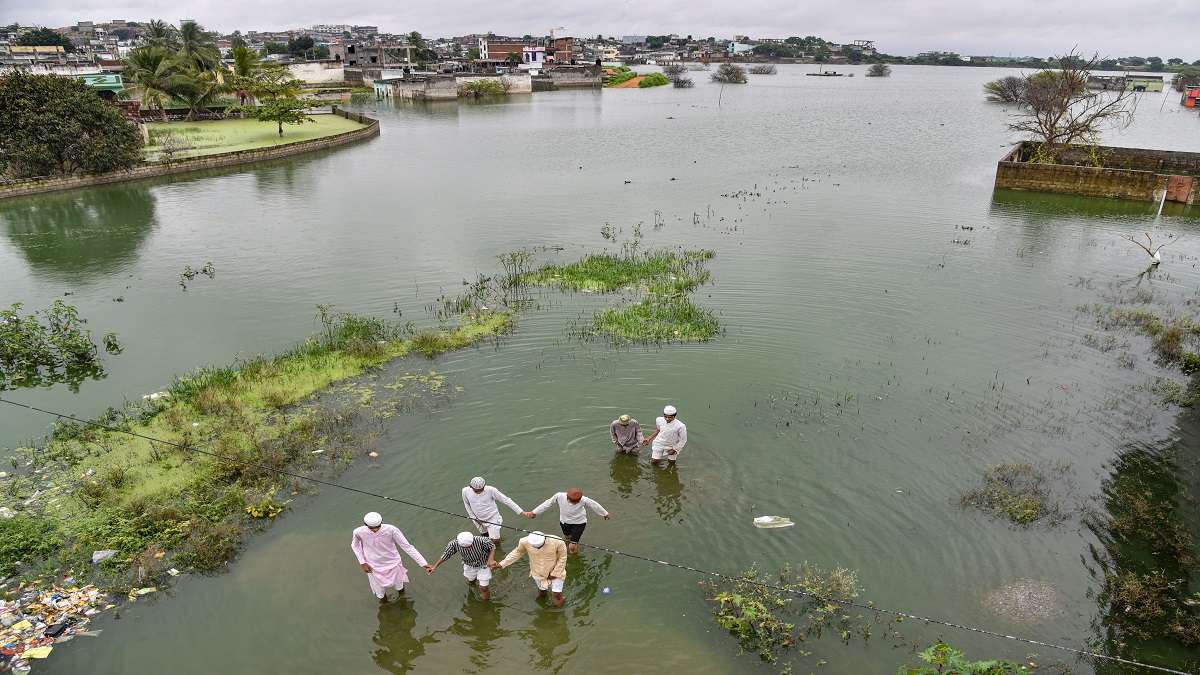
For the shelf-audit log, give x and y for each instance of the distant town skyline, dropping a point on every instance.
(903, 27)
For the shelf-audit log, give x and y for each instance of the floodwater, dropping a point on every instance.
(877, 357)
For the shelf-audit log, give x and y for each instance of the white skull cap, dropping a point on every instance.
(669, 410)
(373, 519)
(536, 539)
(465, 539)
(477, 483)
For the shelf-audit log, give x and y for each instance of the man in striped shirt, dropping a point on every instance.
(478, 554)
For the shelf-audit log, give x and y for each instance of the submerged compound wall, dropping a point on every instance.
(29, 186)
(1126, 173)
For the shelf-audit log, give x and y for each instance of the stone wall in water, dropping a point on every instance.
(30, 186)
(1131, 173)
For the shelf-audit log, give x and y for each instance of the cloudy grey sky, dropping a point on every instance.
(1164, 28)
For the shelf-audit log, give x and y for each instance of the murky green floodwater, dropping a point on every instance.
(839, 276)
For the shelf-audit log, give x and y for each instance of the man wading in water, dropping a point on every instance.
(375, 545)
(547, 563)
(668, 439)
(479, 499)
(626, 434)
(572, 517)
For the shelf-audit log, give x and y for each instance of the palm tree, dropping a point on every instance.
(161, 34)
(196, 46)
(151, 68)
(197, 88)
(246, 67)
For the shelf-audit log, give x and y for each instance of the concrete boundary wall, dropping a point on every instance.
(1141, 175)
(30, 186)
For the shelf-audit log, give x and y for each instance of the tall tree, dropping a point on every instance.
(150, 69)
(196, 47)
(45, 37)
(59, 125)
(246, 67)
(283, 110)
(1060, 111)
(197, 88)
(159, 33)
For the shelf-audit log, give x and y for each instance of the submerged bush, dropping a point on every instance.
(26, 539)
(942, 659)
(1022, 493)
(483, 87)
(879, 70)
(730, 73)
(771, 614)
(762, 69)
(48, 347)
(659, 318)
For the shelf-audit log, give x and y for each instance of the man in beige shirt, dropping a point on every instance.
(547, 563)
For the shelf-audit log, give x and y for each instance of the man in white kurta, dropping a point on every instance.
(572, 516)
(479, 499)
(668, 439)
(375, 545)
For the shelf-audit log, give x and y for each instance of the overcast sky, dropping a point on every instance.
(1163, 28)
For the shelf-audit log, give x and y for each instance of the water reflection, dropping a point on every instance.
(668, 495)
(587, 573)
(546, 635)
(625, 470)
(80, 233)
(480, 627)
(1040, 207)
(399, 648)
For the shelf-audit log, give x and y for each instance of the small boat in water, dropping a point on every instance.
(826, 73)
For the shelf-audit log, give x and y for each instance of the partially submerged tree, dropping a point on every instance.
(879, 70)
(1059, 111)
(763, 69)
(730, 73)
(1149, 247)
(59, 125)
(283, 110)
(1008, 89)
(674, 71)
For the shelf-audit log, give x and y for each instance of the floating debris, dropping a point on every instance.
(771, 522)
(37, 620)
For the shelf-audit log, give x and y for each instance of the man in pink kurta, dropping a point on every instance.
(375, 545)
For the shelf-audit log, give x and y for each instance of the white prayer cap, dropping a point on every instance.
(669, 410)
(477, 483)
(536, 539)
(373, 519)
(465, 539)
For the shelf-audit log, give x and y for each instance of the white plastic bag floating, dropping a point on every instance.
(769, 522)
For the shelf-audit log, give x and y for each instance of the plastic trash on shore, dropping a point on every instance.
(771, 522)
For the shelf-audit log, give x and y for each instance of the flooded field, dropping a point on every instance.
(890, 329)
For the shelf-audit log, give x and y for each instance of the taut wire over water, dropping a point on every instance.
(666, 563)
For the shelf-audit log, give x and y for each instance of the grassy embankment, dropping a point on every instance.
(210, 137)
(664, 278)
(620, 77)
(89, 489)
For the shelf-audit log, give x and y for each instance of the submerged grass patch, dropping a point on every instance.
(664, 277)
(1021, 493)
(658, 319)
(663, 270)
(1170, 337)
(90, 489)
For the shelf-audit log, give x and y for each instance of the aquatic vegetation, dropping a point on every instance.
(189, 274)
(1147, 552)
(1026, 600)
(483, 87)
(942, 659)
(772, 614)
(665, 277)
(672, 270)
(762, 69)
(49, 347)
(1170, 337)
(1022, 493)
(653, 80)
(879, 70)
(98, 489)
(658, 319)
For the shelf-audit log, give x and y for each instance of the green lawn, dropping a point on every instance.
(210, 137)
